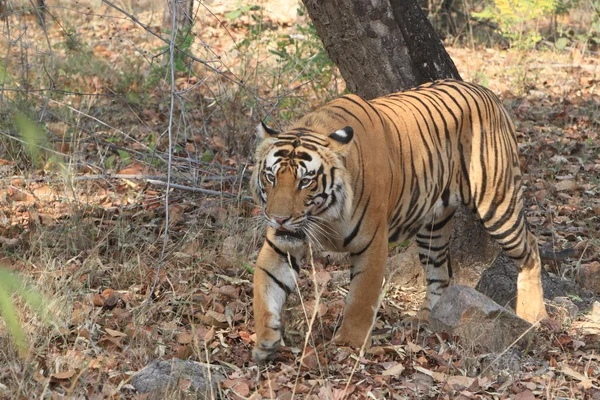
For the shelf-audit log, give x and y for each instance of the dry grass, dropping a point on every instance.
(92, 247)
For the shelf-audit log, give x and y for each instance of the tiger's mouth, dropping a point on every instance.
(287, 234)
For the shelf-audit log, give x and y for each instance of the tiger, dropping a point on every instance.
(354, 175)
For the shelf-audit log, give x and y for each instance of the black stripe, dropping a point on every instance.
(367, 246)
(427, 246)
(354, 232)
(286, 289)
(361, 106)
(439, 225)
(354, 274)
(350, 113)
(421, 236)
(444, 282)
(284, 255)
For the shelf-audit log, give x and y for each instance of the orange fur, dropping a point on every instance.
(354, 174)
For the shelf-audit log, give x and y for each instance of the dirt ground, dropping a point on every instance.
(84, 220)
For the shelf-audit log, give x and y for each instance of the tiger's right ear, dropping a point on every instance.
(263, 131)
(341, 139)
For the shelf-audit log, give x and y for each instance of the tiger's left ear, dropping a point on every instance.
(263, 131)
(341, 138)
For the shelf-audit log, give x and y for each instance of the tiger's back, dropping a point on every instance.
(393, 168)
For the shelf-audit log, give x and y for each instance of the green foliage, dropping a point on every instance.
(183, 44)
(518, 19)
(10, 285)
(592, 34)
(73, 40)
(34, 138)
(235, 14)
(304, 53)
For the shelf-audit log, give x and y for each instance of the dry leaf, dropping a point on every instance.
(394, 371)
(524, 395)
(184, 337)
(97, 300)
(585, 381)
(566, 185)
(111, 298)
(114, 333)
(460, 380)
(133, 169)
(212, 318)
(63, 375)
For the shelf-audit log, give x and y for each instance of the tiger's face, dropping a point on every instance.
(300, 181)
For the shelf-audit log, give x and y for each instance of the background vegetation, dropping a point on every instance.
(124, 164)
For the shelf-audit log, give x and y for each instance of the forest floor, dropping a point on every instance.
(86, 227)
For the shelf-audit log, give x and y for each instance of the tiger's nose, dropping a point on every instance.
(281, 220)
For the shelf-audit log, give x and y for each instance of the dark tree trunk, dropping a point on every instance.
(380, 46)
(383, 46)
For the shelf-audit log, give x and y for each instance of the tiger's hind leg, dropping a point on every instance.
(432, 242)
(505, 221)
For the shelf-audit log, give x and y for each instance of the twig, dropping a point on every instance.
(170, 145)
(61, 91)
(318, 292)
(42, 20)
(172, 46)
(81, 178)
(195, 189)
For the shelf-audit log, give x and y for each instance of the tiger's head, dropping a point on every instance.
(300, 180)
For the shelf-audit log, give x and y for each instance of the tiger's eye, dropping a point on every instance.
(305, 182)
(270, 177)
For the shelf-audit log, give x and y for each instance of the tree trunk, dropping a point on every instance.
(184, 11)
(384, 46)
(380, 46)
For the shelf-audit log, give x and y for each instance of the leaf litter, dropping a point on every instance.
(93, 246)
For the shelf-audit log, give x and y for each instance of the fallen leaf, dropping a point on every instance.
(184, 337)
(63, 375)
(460, 380)
(111, 298)
(114, 333)
(585, 381)
(394, 370)
(566, 185)
(239, 387)
(212, 318)
(97, 300)
(524, 395)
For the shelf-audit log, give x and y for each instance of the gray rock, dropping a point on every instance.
(161, 378)
(476, 319)
(563, 309)
(499, 283)
(588, 276)
(405, 269)
(495, 365)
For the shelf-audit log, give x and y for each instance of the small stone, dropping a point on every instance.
(230, 248)
(563, 309)
(477, 319)
(588, 276)
(595, 313)
(162, 376)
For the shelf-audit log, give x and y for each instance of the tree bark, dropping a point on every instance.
(184, 11)
(380, 46)
(384, 46)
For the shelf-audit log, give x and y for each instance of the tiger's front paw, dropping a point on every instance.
(266, 346)
(353, 337)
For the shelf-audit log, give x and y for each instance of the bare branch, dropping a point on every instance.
(170, 145)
